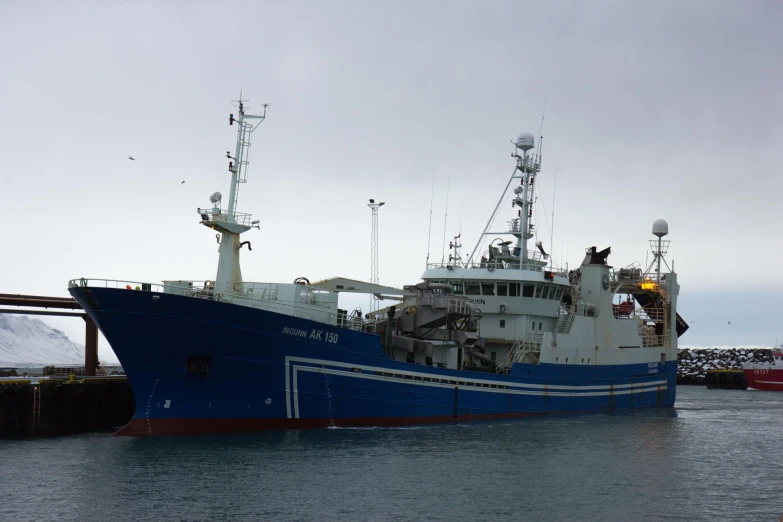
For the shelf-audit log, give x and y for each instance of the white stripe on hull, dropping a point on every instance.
(507, 387)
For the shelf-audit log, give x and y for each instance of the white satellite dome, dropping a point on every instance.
(519, 189)
(525, 141)
(215, 198)
(660, 228)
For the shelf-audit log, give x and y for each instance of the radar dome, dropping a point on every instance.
(525, 141)
(215, 198)
(519, 190)
(660, 228)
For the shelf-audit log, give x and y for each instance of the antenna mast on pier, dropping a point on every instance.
(374, 305)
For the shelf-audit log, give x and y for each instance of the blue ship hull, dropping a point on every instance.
(201, 366)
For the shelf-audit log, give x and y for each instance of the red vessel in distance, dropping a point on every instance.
(766, 376)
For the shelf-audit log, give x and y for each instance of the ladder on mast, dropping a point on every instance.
(242, 163)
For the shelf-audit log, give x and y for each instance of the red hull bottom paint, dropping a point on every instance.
(141, 427)
(765, 379)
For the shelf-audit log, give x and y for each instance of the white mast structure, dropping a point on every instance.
(659, 248)
(231, 223)
(374, 304)
(525, 170)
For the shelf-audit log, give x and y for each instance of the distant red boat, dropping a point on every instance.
(766, 376)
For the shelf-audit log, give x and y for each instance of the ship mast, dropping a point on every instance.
(521, 227)
(231, 224)
(525, 170)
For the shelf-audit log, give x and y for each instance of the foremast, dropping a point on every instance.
(230, 223)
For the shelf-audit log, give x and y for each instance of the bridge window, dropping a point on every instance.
(487, 288)
(553, 292)
(513, 289)
(502, 288)
(538, 290)
(457, 287)
(502, 323)
(559, 294)
(527, 290)
(545, 292)
(472, 289)
(540, 325)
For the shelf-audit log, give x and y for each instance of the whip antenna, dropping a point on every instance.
(446, 220)
(429, 230)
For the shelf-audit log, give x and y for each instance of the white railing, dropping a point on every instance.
(240, 218)
(530, 344)
(636, 275)
(565, 320)
(579, 308)
(318, 310)
(532, 267)
(645, 314)
(649, 341)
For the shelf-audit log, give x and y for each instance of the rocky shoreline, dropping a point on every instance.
(692, 365)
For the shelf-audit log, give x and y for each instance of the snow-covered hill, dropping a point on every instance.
(25, 341)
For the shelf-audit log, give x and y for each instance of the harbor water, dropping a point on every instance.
(715, 456)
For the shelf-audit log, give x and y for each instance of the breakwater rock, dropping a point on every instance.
(692, 365)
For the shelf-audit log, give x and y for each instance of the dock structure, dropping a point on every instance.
(54, 406)
(60, 304)
(726, 379)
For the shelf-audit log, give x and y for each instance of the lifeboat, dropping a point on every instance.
(624, 309)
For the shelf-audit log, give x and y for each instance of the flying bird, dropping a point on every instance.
(182, 183)
(131, 158)
(729, 322)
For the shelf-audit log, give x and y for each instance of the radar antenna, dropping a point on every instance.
(659, 248)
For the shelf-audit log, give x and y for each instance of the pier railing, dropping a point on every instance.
(263, 296)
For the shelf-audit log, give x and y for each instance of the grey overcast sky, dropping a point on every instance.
(655, 110)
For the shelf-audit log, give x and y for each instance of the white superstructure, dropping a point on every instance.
(536, 313)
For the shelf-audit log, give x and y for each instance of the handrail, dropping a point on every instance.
(315, 311)
(531, 343)
(218, 216)
(645, 314)
(531, 267)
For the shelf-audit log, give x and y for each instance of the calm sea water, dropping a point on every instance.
(716, 456)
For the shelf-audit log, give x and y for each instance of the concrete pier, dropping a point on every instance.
(46, 407)
(726, 379)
